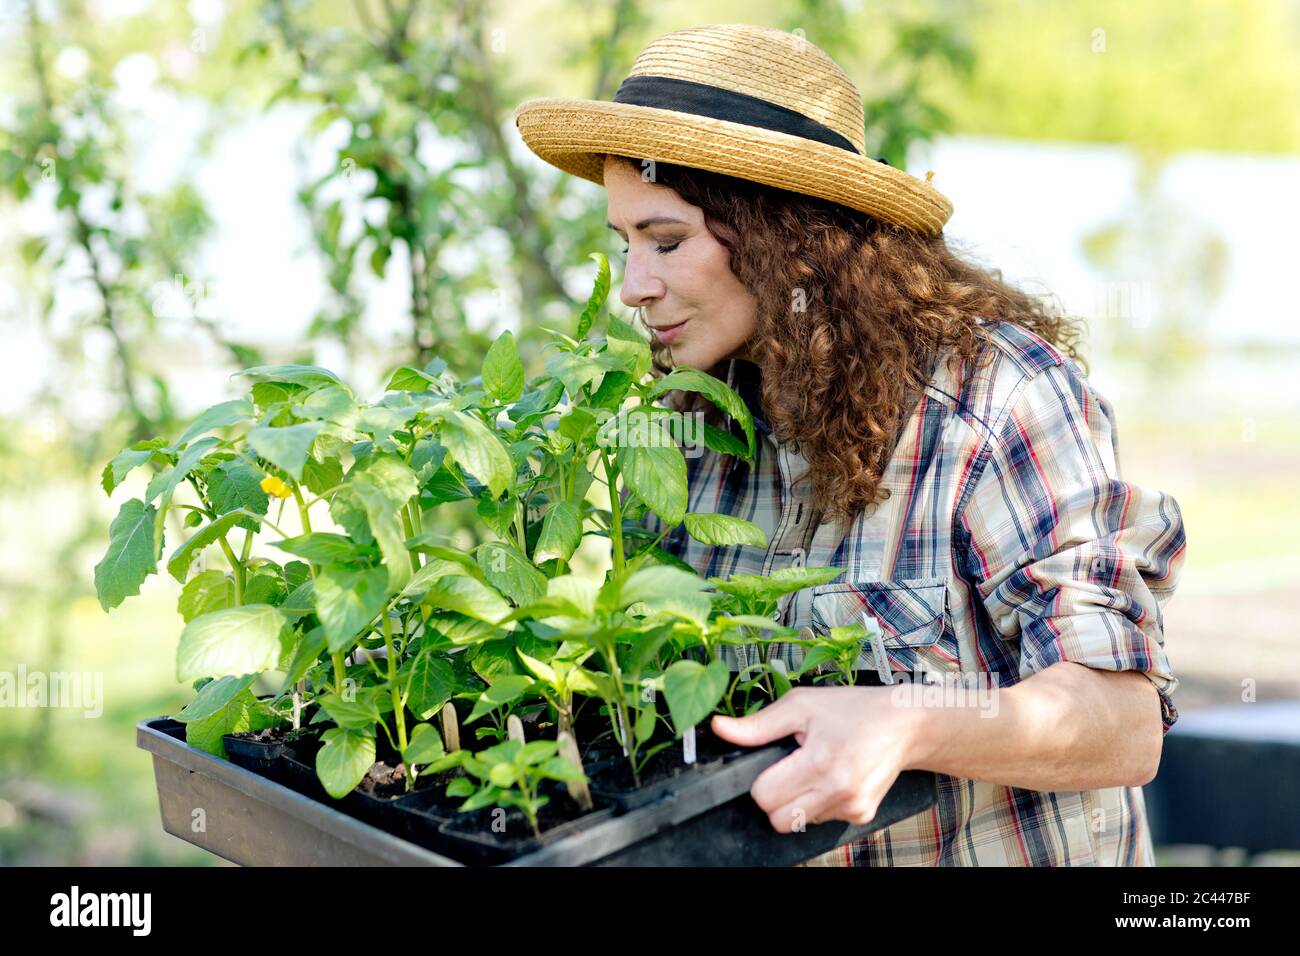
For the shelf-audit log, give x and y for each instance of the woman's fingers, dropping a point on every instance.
(784, 780)
(807, 809)
(786, 716)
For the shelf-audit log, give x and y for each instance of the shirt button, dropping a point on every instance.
(806, 633)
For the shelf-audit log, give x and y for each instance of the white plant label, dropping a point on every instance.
(622, 731)
(688, 745)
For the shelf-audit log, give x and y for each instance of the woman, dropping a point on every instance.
(925, 428)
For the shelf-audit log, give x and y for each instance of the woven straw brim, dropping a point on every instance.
(573, 135)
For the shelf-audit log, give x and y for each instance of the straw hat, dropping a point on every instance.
(745, 101)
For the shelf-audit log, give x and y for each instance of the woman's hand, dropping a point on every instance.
(853, 743)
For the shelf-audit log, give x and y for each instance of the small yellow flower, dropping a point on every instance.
(274, 486)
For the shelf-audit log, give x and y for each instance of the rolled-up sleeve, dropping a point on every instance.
(1069, 559)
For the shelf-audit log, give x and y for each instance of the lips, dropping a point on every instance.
(666, 333)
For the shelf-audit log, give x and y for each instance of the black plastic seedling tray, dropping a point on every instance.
(700, 818)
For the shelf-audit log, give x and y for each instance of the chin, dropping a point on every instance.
(702, 359)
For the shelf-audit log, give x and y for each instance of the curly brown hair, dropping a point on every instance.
(852, 316)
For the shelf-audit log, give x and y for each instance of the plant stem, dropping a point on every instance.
(340, 672)
(615, 516)
(624, 732)
(409, 528)
(302, 509)
(398, 716)
(236, 567)
(521, 528)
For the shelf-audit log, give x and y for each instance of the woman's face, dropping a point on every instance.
(678, 272)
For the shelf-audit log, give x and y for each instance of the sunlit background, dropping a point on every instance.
(188, 189)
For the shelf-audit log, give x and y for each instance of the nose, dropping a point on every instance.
(640, 285)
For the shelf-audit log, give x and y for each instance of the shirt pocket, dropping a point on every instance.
(913, 616)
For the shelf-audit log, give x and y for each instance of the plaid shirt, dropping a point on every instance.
(1009, 542)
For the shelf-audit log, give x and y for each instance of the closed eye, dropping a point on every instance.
(662, 250)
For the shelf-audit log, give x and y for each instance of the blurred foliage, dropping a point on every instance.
(1174, 74)
(1161, 269)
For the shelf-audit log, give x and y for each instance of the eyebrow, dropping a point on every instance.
(654, 221)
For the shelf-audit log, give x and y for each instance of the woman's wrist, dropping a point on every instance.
(933, 732)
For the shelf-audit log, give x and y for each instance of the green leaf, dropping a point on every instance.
(599, 293)
(591, 683)
(780, 680)
(274, 395)
(286, 447)
(506, 689)
(306, 375)
(624, 342)
(561, 532)
(425, 578)
(165, 482)
(236, 640)
(574, 590)
(649, 583)
(462, 630)
(179, 563)
(214, 696)
(244, 713)
(756, 587)
(207, 591)
(755, 621)
(536, 404)
(720, 529)
(613, 391)
(131, 556)
(388, 475)
(724, 442)
(540, 669)
(644, 727)
(125, 461)
(468, 596)
(460, 787)
(433, 682)
(235, 484)
(343, 760)
(218, 416)
(507, 570)
(498, 515)
(575, 371)
(558, 768)
(814, 658)
(442, 486)
(693, 691)
(394, 413)
(359, 714)
(265, 585)
(503, 372)
(377, 491)
(495, 659)
(716, 391)
(319, 477)
(321, 547)
(658, 476)
(477, 451)
(348, 599)
(407, 379)
(306, 651)
(425, 745)
(332, 403)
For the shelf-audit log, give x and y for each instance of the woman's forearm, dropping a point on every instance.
(1067, 727)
